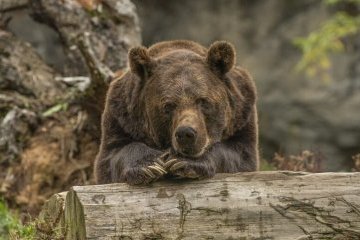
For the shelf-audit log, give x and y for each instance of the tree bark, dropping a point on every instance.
(259, 205)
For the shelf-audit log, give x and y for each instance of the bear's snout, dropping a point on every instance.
(185, 136)
(187, 141)
(189, 136)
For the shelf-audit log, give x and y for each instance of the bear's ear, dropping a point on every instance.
(221, 57)
(140, 62)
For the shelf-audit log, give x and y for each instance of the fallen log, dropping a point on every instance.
(259, 205)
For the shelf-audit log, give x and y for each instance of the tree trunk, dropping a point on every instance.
(259, 205)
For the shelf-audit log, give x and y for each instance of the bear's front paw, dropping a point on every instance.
(183, 168)
(145, 174)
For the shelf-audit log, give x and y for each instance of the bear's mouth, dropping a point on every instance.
(191, 151)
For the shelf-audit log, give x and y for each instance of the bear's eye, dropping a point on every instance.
(169, 107)
(204, 104)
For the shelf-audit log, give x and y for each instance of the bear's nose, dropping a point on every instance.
(185, 135)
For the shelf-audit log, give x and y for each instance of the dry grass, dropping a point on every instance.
(356, 160)
(305, 161)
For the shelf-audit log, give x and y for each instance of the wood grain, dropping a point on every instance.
(259, 205)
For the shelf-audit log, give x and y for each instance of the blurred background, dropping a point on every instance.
(56, 58)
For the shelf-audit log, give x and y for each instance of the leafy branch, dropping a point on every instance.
(328, 39)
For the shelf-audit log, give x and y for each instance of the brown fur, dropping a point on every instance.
(172, 85)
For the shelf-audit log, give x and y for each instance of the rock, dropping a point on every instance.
(112, 26)
(14, 128)
(47, 92)
(23, 72)
(6, 5)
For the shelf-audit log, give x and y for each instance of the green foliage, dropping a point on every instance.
(333, 2)
(320, 44)
(11, 227)
(55, 109)
(327, 40)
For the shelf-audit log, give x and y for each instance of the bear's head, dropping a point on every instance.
(189, 100)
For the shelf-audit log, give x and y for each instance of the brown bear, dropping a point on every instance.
(181, 110)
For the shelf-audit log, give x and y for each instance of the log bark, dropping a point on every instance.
(51, 221)
(259, 205)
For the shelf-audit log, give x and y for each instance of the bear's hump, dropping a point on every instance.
(164, 48)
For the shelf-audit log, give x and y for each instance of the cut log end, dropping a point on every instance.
(258, 205)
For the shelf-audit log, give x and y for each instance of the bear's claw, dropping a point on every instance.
(174, 164)
(154, 171)
(178, 165)
(181, 169)
(164, 155)
(148, 172)
(170, 163)
(157, 169)
(159, 162)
